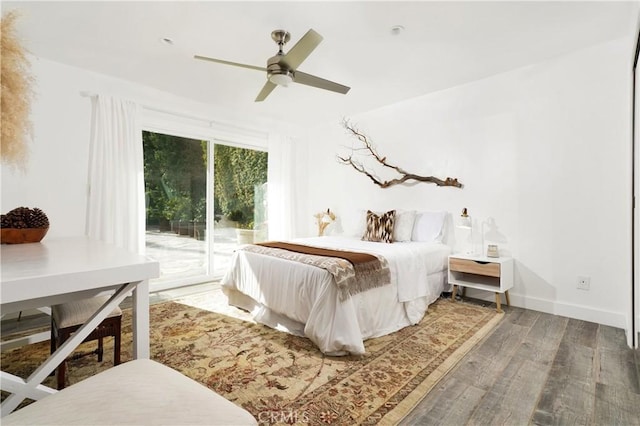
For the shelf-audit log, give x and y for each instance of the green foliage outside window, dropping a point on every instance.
(237, 173)
(175, 179)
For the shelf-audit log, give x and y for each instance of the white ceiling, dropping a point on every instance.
(445, 44)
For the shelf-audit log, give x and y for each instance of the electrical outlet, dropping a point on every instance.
(584, 283)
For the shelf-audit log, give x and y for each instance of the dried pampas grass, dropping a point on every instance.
(15, 96)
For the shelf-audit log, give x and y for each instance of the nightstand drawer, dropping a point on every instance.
(489, 269)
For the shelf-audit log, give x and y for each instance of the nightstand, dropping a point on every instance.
(482, 273)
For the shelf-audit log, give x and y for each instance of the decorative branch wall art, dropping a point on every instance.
(369, 149)
(15, 95)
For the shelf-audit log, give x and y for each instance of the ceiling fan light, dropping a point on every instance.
(282, 79)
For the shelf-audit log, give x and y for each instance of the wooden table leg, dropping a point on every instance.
(506, 296)
(453, 293)
(498, 308)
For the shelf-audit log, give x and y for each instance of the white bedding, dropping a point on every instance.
(303, 299)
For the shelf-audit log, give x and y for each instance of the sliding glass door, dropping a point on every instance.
(240, 194)
(203, 199)
(175, 190)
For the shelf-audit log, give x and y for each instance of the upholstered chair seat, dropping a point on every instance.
(67, 318)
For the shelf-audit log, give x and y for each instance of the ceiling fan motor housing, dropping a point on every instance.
(278, 73)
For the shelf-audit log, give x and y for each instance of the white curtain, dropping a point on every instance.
(116, 207)
(281, 173)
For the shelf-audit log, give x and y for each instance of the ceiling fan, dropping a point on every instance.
(282, 68)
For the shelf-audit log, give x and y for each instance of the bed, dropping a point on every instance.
(304, 299)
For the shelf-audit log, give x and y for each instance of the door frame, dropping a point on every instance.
(635, 215)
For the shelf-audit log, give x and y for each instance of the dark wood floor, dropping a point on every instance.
(541, 369)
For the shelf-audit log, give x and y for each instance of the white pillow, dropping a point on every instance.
(428, 227)
(403, 225)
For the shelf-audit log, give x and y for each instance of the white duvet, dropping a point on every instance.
(303, 299)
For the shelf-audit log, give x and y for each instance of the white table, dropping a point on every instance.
(62, 270)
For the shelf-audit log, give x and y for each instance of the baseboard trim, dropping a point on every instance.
(581, 312)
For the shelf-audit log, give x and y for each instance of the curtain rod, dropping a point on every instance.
(88, 94)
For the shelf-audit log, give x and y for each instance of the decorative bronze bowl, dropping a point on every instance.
(22, 235)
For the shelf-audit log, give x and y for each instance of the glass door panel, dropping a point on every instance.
(240, 194)
(176, 208)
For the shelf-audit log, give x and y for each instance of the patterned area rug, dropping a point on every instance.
(281, 378)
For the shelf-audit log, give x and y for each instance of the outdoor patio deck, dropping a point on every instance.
(183, 257)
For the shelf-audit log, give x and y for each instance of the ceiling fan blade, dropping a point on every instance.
(266, 89)
(235, 64)
(302, 49)
(321, 83)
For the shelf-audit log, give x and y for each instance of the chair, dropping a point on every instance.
(69, 317)
(138, 392)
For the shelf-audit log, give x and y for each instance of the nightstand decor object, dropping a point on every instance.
(482, 273)
(492, 251)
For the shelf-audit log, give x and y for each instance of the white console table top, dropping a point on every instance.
(30, 272)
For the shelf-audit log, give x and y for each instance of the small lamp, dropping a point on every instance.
(466, 223)
(465, 219)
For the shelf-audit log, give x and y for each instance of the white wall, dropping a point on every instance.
(56, 174)
(543, 151)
